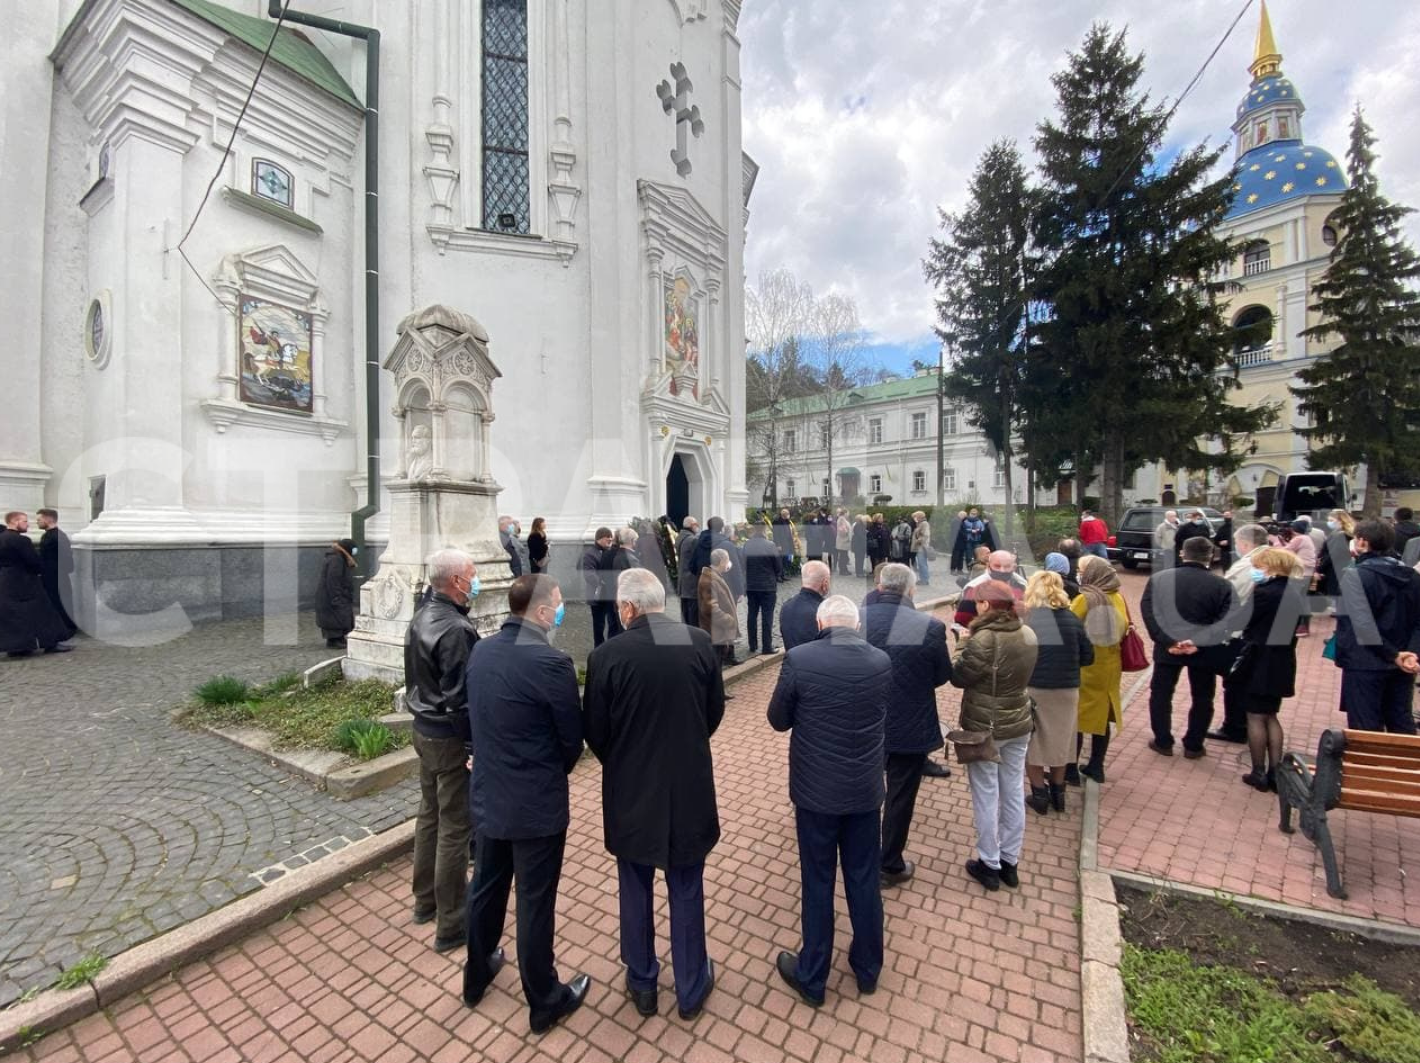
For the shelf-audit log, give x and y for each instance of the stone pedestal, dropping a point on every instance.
(446, 495)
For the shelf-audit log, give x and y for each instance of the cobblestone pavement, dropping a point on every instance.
(1194, 821)
(970, 976)
(117, 823)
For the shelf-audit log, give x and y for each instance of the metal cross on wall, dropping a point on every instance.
(676, 100)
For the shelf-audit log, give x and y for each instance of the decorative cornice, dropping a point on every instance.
(223, 413)
(266, 208)
(672, 218)
(480, 241)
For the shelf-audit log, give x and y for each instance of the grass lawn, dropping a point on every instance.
(296, 718)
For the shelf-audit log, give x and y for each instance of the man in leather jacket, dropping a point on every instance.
(436, 650)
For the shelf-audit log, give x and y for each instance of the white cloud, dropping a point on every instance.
(865, 118)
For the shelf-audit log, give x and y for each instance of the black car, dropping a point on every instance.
(1134, 540)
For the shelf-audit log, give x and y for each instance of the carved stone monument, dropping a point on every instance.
(445, 494)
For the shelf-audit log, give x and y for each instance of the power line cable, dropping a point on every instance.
(226, 154)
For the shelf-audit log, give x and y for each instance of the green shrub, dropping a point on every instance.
(1371, 1024)
(366, 739)
(280, 685)
(224, 690)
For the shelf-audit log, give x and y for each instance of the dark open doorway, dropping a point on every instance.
(677, 492)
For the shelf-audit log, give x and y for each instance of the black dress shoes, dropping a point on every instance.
(576, 993)
(897, 878)
(695, 1009)
(932, 770)
(496, 959)
(1223, 736)
(787, 964)
(987, 876)
(645, 1000)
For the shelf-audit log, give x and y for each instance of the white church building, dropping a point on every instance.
(195, 375)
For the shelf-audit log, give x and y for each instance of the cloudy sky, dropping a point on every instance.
(865, 116)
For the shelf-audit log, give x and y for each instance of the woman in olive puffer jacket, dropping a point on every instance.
(993, 668)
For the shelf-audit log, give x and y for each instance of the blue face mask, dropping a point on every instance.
(474, 587)
(558, 616)
(1258, 576)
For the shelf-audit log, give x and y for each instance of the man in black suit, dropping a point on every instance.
(917, 646)
(654, 697)
(833, 693)
(1186, 610)
(27, 620)
(526, 722)
(798, 617)
(1195, 527)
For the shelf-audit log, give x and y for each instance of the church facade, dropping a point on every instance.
(200, 388)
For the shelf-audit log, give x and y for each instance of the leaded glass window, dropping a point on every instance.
(506, 181)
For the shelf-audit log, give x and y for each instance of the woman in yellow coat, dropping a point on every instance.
(1101, 607)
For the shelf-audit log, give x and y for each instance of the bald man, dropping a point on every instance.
(1000, 567)
(798, 617)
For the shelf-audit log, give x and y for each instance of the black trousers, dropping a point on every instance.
(536, 865)
(1378, 701)
(841, 556)
(604, 617)
(685, 891)
(825, 840)
(689, 612)
(1202, 683)
(904, 778)
(759, 605)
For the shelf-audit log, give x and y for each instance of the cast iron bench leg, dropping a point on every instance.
(1334, 885)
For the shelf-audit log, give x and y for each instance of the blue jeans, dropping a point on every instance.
(824, 839)
(1098, 549)
(924, 571)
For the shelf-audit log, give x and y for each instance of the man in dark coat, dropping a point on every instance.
(1195, 527)
(1186, 610)
(526, 722)
(832, 694)
(436, 649)
(27, 620)
(1405, 528)
(714, 538)
(798, 617)
(1378, 635)
(860, 543)
(763, 568)
(687, 583)
(56, 567)
(335, 594)
(917, 646)
(593, 564)
(784, 537)
(654, 697)
(1223, 540)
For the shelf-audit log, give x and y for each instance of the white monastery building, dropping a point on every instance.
(196, 374)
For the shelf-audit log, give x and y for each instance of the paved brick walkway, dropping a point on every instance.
(118, 824)
(1194, 821)
(970, 976)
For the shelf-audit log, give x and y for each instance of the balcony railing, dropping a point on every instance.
(1253, 267)
(1254, 356)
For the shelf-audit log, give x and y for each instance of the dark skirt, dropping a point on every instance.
(1261, 706)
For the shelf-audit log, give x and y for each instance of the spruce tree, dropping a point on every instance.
(1363, 397)
(978, 267)
(1130, 254)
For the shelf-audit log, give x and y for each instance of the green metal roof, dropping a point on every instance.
(292, 50)
(912, 387)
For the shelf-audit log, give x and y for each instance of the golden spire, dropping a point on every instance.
(1266, 59)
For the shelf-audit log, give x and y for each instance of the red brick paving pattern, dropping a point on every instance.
(969, 976)
(1195, 822)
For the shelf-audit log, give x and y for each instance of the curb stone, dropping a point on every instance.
(1103, 1017)
(144, 964)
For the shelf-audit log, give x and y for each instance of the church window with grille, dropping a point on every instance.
(506, 174)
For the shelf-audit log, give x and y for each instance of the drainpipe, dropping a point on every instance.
(371, 37)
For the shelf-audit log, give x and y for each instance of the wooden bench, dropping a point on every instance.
(1366, 771)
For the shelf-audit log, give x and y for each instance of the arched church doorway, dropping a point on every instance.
(678, 492)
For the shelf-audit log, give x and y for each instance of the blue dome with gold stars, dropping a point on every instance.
(1275, 88)
(1281, 171)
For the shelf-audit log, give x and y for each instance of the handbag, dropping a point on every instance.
(973, 747)
(1328, 651)
(1132, 657)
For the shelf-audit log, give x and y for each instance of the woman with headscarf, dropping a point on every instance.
(1054, 687)
(335, 594)
(1102, 608)
(1060, 565)
(1265, 670)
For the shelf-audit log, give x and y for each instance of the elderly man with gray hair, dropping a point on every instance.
(718, 617)
(436, 649)
(833, 695)
(654, 697)
(798, 617)
(917, 646)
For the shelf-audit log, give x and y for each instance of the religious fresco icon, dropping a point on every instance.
(276, 355)
(682, 332)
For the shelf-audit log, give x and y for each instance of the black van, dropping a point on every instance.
(1313, 494)
(1134, 540)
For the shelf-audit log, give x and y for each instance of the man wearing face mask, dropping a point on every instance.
(1000, 568)
(436, 650)
(526, 721)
